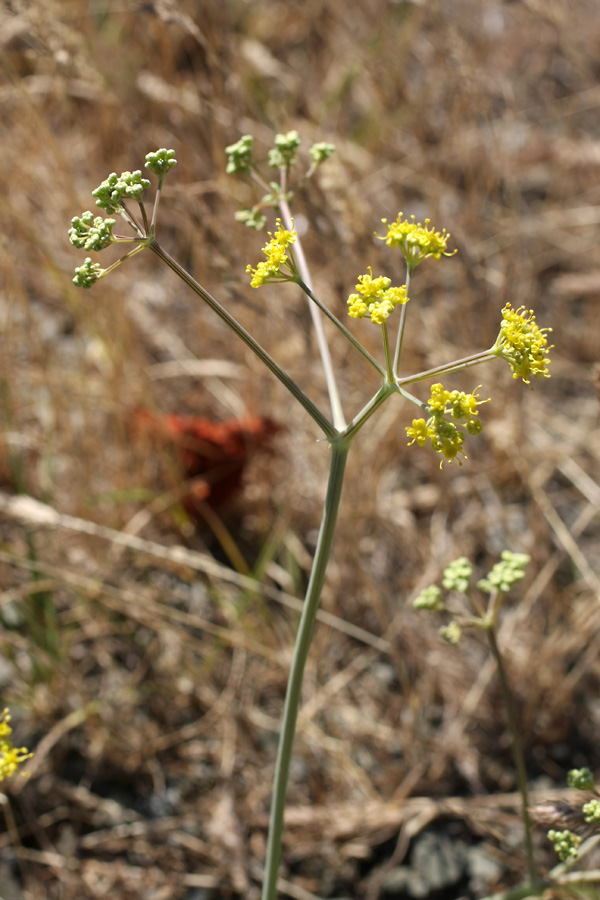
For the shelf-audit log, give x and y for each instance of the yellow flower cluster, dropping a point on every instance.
(10, 757)
(416, 242)
(375, 297)
(275, 251)
(523, 344)
(446, 438)
(459, 404)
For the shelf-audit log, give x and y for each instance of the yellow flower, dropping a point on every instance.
(522, 344)
(10, 757)
(277, 258)
(459, 404)
(357, 307)
(420, 432)
(417, 242)
(439, 398)
(375, 297)
(446, 438)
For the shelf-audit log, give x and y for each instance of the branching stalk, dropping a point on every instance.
(313, 411)
(341, 327)
(456, 366)
(371, 407)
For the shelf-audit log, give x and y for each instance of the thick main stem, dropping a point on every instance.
(517, 751)
(339, 453)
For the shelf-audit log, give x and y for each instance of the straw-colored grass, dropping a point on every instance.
(147, 673)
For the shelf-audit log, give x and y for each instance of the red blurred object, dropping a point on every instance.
(213, 455)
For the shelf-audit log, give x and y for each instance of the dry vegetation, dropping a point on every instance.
(150, 679)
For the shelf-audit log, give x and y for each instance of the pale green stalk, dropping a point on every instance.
(334, 395)
(131, 219)
(339, 453)
(123, 258)
(517, 751)
(161, 181)
(401, 324)
(389, 369)
(455, 366)
(341, 327)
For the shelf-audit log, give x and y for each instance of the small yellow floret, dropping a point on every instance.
(446, 438)
(439, 398)
(523, 344)
(376, 298)
(275, 251)
(419, 432)
(417, 242)
(10, 757)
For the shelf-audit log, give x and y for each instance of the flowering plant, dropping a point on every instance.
(446, 418)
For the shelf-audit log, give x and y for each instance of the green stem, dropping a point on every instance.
(455, 366)
(131, 220)
(517, 751)
(156, 204)
(339, 453)
(372, 406)
(389, 370)
(408, 396)
(324, 424)
(401, 325)
(347, 334)
(131, 253)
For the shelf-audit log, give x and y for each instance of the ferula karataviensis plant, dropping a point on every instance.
(465, 607)
(445, 420)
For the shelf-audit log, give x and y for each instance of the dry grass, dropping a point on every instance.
(150, 677)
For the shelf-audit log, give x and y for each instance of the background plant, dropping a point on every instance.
(477, 117)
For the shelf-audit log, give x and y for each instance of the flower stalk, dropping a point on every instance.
(517, 752)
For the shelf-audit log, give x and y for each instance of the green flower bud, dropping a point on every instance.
(89, 233)
(320, 152)
(581, 779)
(457, 575)
(430, 598)
(239, 156)
(451, 633)
(505, 573)
(591, 811)
(87, 274)
(115, 189)
(160, 161)
(252, 218)
(565, 843)
(284, 153)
